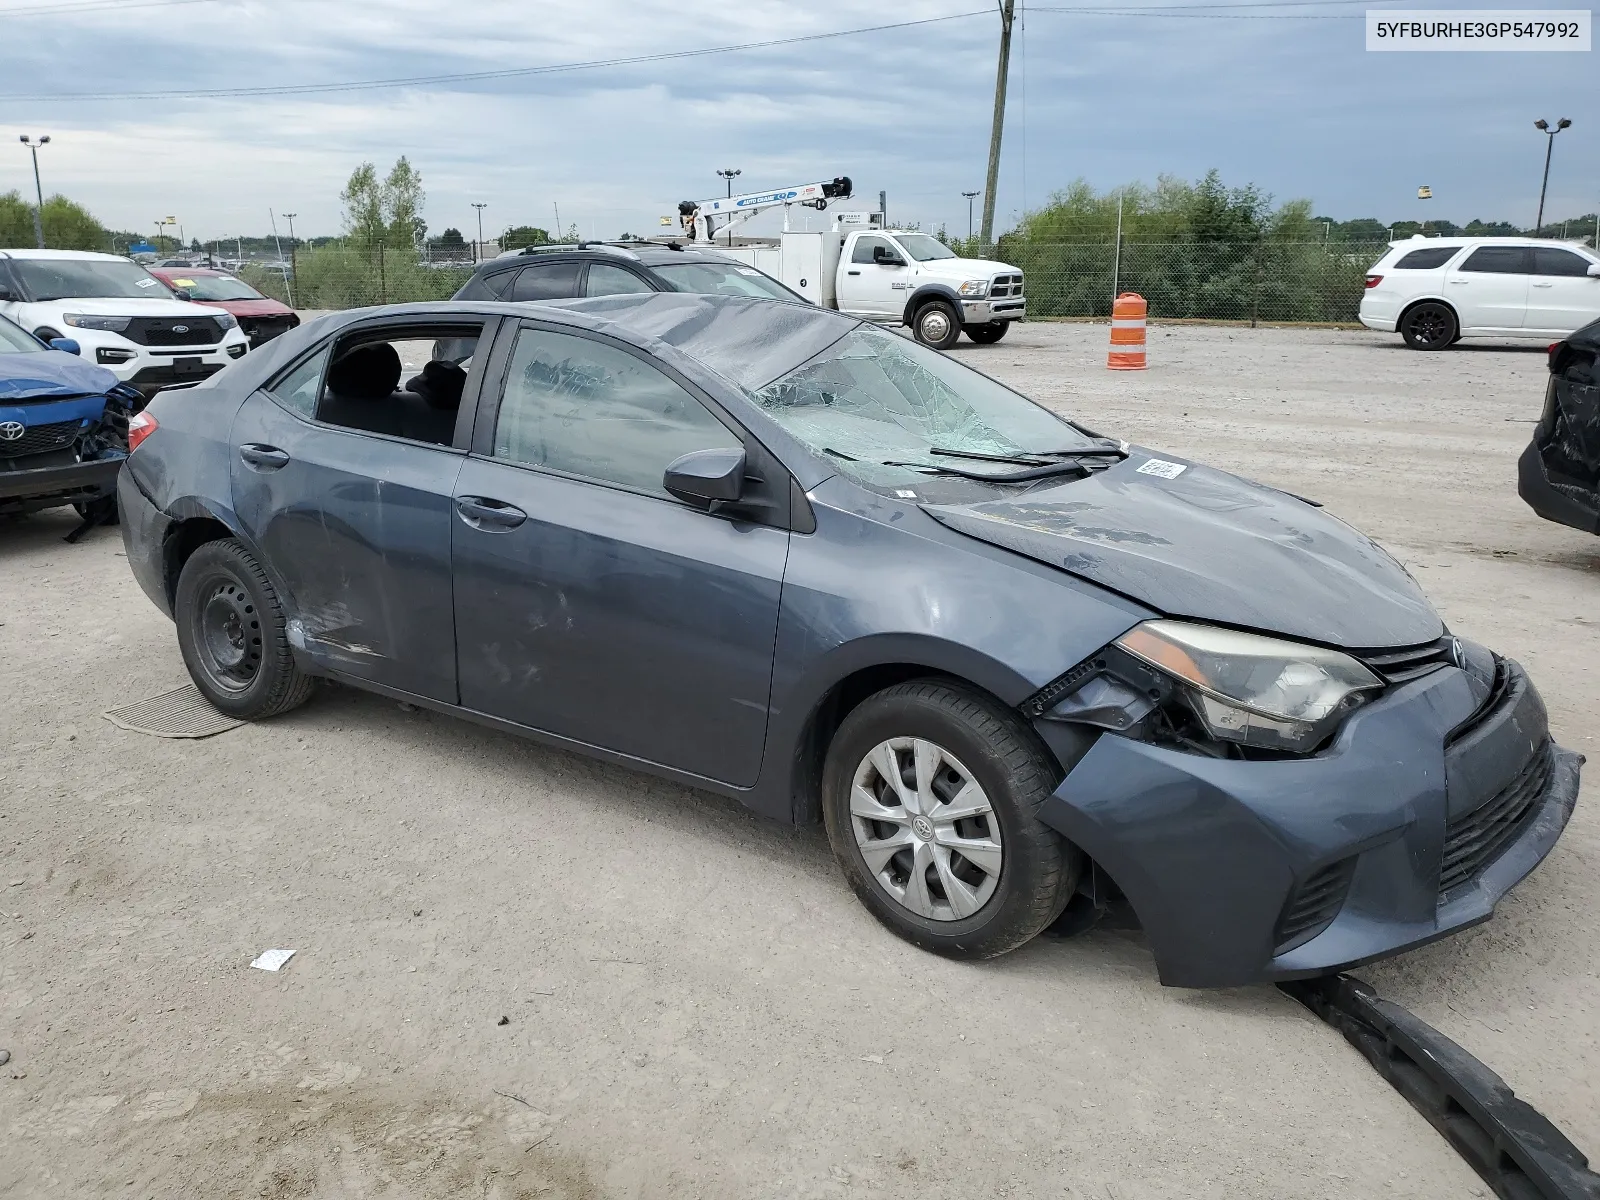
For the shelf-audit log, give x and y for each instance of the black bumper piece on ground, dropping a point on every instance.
(51, 487)
(1518, 1153)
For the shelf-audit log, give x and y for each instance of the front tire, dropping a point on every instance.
(929, 795)
(1430, 326)
(936, 324)
(231, 631)
(988, 333)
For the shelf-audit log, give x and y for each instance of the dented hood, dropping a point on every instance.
(1194, 542)
(50, 374)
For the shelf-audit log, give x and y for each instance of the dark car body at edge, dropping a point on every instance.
(1430, 803)
(1558, 474)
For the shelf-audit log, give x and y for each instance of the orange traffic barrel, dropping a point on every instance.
(1127, 333)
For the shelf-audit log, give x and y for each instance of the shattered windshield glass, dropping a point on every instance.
(875, 399)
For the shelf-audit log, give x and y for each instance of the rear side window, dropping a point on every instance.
(606, 280)
(298, 389)
(1498, 260)
(547, 281)
(1426, 260)
(1547, 260)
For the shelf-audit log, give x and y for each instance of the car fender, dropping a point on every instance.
(929, 291)
(1432, 298)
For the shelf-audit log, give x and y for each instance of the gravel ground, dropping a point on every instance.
(520, 974)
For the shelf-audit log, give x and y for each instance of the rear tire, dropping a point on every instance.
(231, 632)
(936, 324)
(988, 333)
(1430, 326)
(923, 771)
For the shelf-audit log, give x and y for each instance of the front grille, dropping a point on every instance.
(162, 331)
(37, 439)
(1005, 285)
(1313, 905)
(1402, 666)
(1474, 840)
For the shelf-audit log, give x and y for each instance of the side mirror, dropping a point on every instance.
(885, 257)
(65, 345)
(183, 293)
(706, 478)
(1594, 271)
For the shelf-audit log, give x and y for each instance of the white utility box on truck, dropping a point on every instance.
(893, 276)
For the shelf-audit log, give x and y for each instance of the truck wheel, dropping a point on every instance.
(988, 333)
(1430, 326)
(937, 324)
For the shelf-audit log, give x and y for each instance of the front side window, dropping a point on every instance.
(1498, 260)
(865, 246)
(586, 408)
(880, 405)
(1426, 260)
(1547, 260)
(90, 278)
(547, 281)
(298, 389)
(606, 280)
(924, 248)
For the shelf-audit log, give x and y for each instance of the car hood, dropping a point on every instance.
(49, 374)
(252, 308)
(966, 268)
(1213, 547)
(129, 306)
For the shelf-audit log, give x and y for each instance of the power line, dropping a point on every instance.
(67, 10)
(303, 89)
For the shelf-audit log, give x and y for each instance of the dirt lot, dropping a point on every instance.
(696, 1005)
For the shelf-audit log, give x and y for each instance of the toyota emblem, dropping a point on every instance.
(11, 431)
(180, 329)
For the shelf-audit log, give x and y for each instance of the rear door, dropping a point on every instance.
(1489, 289)
(1562, 296)
(590, 603)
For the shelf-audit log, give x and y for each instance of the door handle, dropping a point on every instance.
(1544, 285)
(491, 516)
(1461, 282)
(263, 458)
(852, 272)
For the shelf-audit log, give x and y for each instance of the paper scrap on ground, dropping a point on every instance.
(273, 960)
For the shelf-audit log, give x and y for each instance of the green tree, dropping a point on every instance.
(16, 220)
(363, 206)
(519, 237)
(450, 237)
(403, 199)
(69, 226)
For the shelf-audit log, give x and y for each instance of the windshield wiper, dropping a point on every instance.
(1039, 458)
(1039, 471)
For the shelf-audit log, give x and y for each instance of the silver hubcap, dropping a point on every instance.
(925, 829)
(935, 325)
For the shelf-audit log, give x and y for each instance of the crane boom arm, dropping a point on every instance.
(734, 210)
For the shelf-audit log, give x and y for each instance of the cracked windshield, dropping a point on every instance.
(880, 405)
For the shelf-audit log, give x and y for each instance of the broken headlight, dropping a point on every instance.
(1254, 690)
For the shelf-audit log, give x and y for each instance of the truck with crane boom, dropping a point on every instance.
(860, 267)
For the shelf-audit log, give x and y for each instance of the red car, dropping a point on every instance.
(261, 318)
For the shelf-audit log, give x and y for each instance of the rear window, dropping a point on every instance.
(1426, 260)
(1498, 260)
(547, 281)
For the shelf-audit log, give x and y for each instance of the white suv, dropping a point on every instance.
(122, 317)
(1436, 291)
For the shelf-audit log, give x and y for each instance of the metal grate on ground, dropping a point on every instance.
(183, 713)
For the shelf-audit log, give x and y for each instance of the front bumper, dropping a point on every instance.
(1217, 856)
(153, 368)
(980, 312)
(32, 489)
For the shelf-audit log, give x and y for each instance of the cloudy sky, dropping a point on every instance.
(1282, 95)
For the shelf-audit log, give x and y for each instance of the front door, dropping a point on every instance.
(1562, 296)
(869, 287)
(1490, 288)
(589, 602)
(357, 522)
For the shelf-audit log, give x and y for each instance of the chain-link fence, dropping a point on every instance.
(1266, 281)
(333, 277)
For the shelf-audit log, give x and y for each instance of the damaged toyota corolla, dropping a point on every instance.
(785, 555)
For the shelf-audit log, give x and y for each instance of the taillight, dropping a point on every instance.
(1374, 280)
(1555, 349)
(140, 426)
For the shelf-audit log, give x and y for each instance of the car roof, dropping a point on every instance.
(646, 254)
(1418, 243)
(91, 255)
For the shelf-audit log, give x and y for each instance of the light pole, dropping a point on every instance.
(1543, 127)
(729, 174)
(289, 217)
(477, 249)
(38, 212)
(970, 197)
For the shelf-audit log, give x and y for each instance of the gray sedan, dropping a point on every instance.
(1019, 670)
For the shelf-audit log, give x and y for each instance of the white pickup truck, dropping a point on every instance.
(896, 277)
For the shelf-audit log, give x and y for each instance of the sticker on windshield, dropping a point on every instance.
(183, 283)
(144, 283)
(1161, 468)
(903, 494)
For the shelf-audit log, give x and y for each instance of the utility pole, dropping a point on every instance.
(1002, 71)
(478, 250)
(38, 213)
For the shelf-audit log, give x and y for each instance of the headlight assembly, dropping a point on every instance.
(974, 287)
(85, 321)
(1257, 691)
(225, 319)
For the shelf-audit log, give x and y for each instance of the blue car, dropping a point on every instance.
(1015, 668)
(63, 427)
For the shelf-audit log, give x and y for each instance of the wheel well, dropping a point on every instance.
(921, 300)
(837, 704)
(45, 333)
(1406, 311)
(183, 540)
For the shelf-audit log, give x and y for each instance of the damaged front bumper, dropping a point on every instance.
(70, 482)
(1427, 808)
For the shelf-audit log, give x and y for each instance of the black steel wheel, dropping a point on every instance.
(231, 631)
(988, 333)
(1430, 326)
(936, 324)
